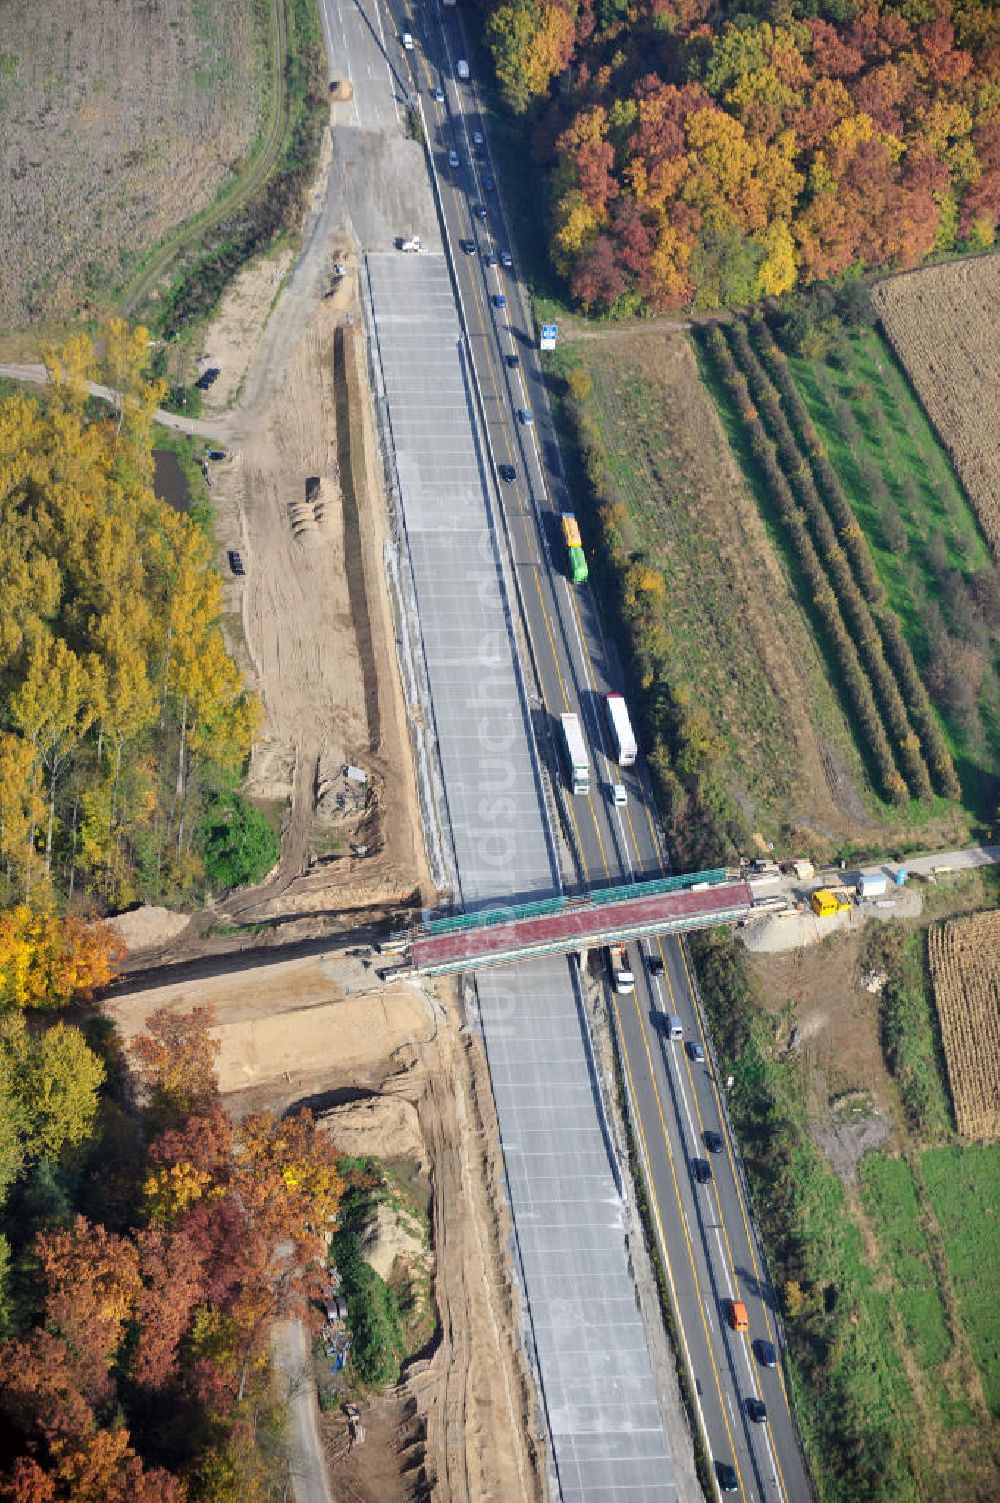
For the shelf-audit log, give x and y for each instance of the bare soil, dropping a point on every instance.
(141, 115)
(820, 992)
(942, 323)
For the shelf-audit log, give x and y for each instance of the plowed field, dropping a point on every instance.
(965, 966)
(942, 324)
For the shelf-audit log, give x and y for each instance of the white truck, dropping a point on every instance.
(622, 977)
(409, 243)
(622, 733)
(577, 762)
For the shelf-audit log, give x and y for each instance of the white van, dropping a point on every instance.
(675, 1028)
(462, 69)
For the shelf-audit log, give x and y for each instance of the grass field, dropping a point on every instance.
(964, 1189)
(921, 529)
(890, 1199)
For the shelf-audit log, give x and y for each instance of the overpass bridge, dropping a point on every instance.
(559, 925)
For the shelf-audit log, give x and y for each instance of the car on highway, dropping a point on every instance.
(438, 94)
(655, 965)
(489, 183)
(235, 562)
(736, 1314)
(453, 157)
(478, 139)
(407, 41)
(506, 259)
(499, 301)
(702, 1170)
(462, 69)
(727, 1477)
(525, 417)
(489, 259)
(480, 211)
(468, 246)
(507, 473)
(695, 1052)
(765, 1353)
(618, 794)
(512, 362)
(757, 1411)
(713, 1141)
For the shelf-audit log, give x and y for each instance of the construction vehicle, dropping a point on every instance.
(577, 762)
(825, 903)
(621, 976)
(622, 734)
(574, 546)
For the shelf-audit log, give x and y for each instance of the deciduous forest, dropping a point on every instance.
(123, 720)
(718, 151)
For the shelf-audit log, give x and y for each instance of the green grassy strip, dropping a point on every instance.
(890, 1199)
(964, 1189)
(908, 1021)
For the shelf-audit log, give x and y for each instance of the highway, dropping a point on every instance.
(708, 1249)
(707, 1243)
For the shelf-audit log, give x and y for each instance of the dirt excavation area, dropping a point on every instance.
(390, 1072)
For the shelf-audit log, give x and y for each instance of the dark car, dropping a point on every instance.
(235, 562)
(696, 1052)
(499, 301)
(489, 258)
(727, 1477)
(656, 966)
(702, 1170)
(765, 1353)
(713, 1142)
(512, 362)
(507, 473)
(489, 183)
(215, 454)
(468, 246)
(757, 1411)
(477, 138)
(207, 378)
(480, 211)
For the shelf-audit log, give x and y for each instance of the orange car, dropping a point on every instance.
(738, 1316)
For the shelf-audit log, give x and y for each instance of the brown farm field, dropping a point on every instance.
(965, 966)
(942, 323)
(119, 120)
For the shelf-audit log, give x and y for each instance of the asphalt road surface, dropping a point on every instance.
(707, 1242)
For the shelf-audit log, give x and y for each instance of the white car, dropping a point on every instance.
(619, 795)
(462, 69)
(407, 41)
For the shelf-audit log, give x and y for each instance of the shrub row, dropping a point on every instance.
(855, 544)
(838, 639)
(827, 481)
(853, 605)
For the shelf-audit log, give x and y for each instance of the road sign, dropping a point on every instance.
(548, 339)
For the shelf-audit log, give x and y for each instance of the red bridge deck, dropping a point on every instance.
(579, 927)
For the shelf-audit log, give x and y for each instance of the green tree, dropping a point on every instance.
(238, 844)
(52, 1085)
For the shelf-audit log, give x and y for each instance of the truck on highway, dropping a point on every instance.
(622, 977)
(626, 750)
(574, 547)
(577, 762)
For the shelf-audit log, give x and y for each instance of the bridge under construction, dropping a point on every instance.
(559, 925)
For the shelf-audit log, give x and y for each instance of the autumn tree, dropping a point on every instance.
(175, 1058)
(531, 40)
(47, 961)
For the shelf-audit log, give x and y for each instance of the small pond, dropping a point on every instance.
(169, 480)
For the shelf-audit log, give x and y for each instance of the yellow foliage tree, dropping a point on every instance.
(47, 961)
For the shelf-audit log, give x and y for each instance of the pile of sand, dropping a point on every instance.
(386, 1127)
(145, 928)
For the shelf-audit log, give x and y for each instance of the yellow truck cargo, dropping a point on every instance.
(824, 902)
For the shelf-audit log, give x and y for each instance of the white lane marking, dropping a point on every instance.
(388, 65)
